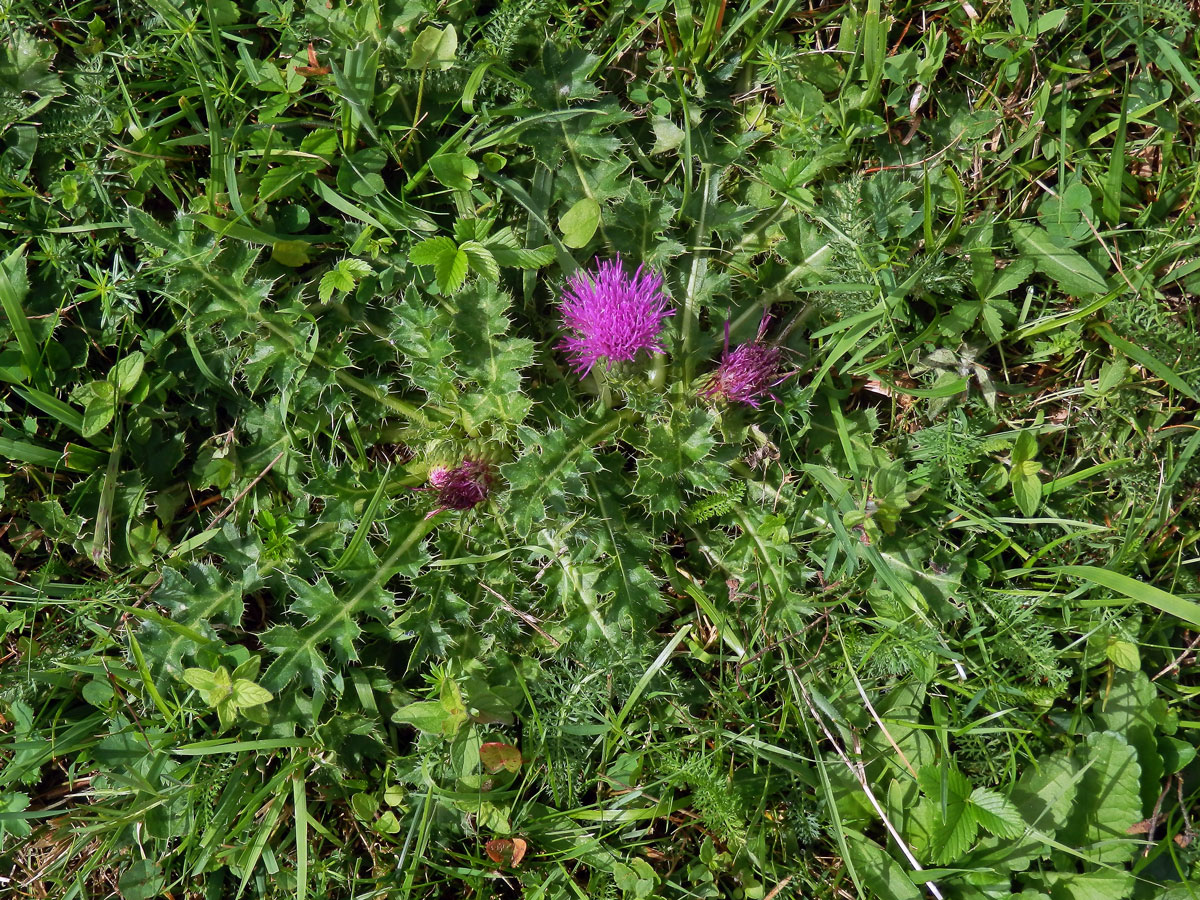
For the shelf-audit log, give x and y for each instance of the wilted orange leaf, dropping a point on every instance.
(506, 851)
(496, 756)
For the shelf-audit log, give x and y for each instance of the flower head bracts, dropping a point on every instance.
(466, 485)
(613, 316)
(747, 373)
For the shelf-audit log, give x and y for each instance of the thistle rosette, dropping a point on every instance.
(613, 316)
(462, 487)
(747, 373)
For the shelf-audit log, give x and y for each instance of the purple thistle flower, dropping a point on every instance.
(613, 316)
(464, 486)
(747, 373)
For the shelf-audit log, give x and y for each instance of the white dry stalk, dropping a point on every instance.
(861, 778)
(879, 721)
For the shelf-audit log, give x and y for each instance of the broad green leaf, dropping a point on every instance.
(497, 755)
(1124, 655)
(201, 679)
(1105, 885)
(435, 48)
(143, 880)
(291, 253)
(424, 715)
(481, 261)
(879, 872)
(1112, 374)
(1025, 447)
(247, 693)
(213, 686)
(667, 135)
(226, 712)
(100, 409)
(579, 223)
(1073, 273)
(454, 170)
(125, 374)
(1027, 491)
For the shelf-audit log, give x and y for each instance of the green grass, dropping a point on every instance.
(921, 624)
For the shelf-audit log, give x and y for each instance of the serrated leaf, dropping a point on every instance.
(334, 280)
(996, 813)
(1045, 793)
(1107, 885)
(1109, 799)
(579, 223)
(356, 268)
(507, 252)
(481, 261)
(549, 472)
(421, 332)
(525, 257)
(431, 251)
(331, 616)
(1009, 278)
(474, 230)
(451, 271)
(670, 454)
(1073, 273)
(950, 792)
(667, 135)
(197, 603)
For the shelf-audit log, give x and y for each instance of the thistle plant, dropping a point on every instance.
(371, 486)
(613, 316)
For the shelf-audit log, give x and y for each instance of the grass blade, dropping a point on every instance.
(1136, 590)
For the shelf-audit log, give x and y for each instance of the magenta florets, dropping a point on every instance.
(613, 316)
(746, 374)
(466, 485)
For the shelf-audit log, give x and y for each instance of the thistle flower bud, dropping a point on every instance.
(462, 487)
(747, 373)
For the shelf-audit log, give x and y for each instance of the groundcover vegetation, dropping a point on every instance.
(599, 450)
